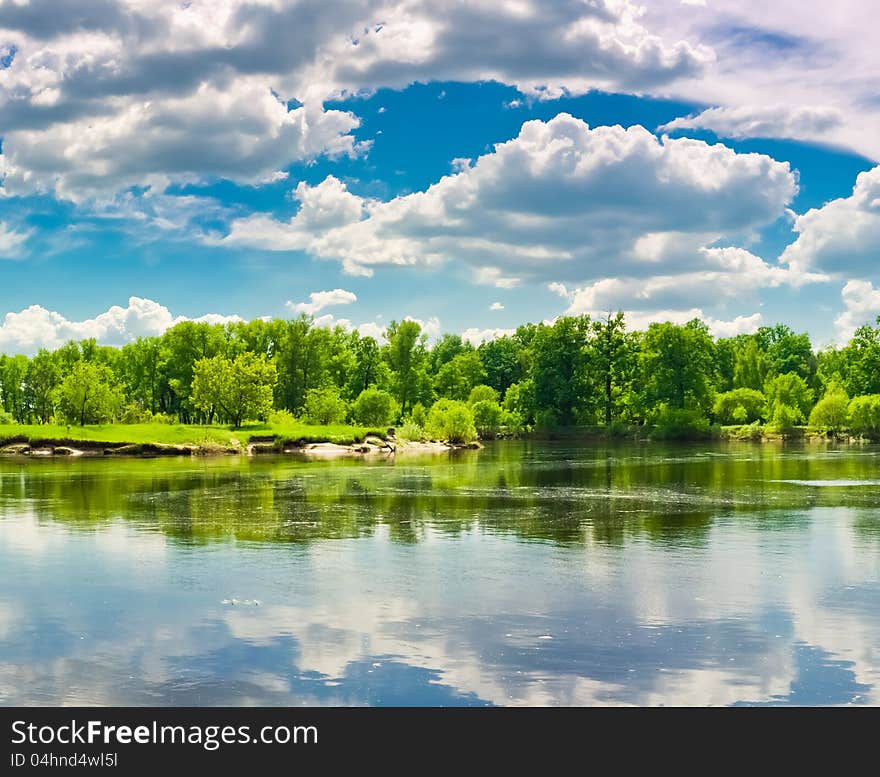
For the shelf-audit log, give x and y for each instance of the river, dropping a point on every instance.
(523, 573)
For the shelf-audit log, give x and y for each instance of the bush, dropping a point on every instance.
(487, 416)
(374, 407)
(786, 417)
(791, 390)
(419, 415)
(135, 414)
(482, 394)
(282, 418)
(831, 413)
(451, 420)
(411, 431)
(324, 407)
(5, 418)
(864, 416)
(680, 424)
(512, 422)
(740, 406)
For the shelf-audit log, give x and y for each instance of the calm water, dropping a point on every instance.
(521, 574)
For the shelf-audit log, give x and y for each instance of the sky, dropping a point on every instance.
(471, 165)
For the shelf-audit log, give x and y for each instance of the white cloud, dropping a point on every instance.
(496, 306)
(862, 306)
(36, 327)
(637, 320)
(11, 241)
(561, 199)
(323, 299)
(101, 95)
(802, 69)
(843, 236)
(475, 335)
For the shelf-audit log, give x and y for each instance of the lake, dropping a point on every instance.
(524, 573)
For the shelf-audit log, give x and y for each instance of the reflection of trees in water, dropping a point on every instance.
(563, 494)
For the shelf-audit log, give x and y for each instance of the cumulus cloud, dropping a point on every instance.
(861, 306)
(597, 208)
(496, 306)
(36, 327)
(843, 236)
(323, 299)
(801, 69)
(636, 320)
(475, 335)
(101, 95)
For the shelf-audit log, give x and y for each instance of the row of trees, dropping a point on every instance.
(575, 371)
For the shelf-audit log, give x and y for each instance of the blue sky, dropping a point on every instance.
(162, 161)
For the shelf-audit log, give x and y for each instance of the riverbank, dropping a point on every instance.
(152, 440)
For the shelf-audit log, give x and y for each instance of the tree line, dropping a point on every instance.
(576, 371)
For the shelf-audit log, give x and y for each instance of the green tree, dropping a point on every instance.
(406, 354)
(611, 353)
(324, 407)
(739, 406)
(791, 390)
(481, 393)
(41, 381)
(750, 366)
(487, 417)
(503, 361)
(678, 365)
(451, 420)
(460, 375)
(89, 394)
(13, 370)
(831, 413)
(864, 416)
(234, 389)
(559, 372)
(374, 407)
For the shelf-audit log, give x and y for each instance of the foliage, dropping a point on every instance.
(324, 406)
(482, 393)
(410, 431)
(831, 413)
(374, 407)
(864, 416)
(89, 394)
(451, 420)
(674, 423)
(791, 390)
(233, 389)
(786, 417)
(739, 406)
(487, 417)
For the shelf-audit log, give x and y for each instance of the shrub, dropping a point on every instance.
(512, 422)
(487, 416)
(324, 407)
(135, 414)
(5, 418)
(282, 418)
(451, 420)
(740, 406)
(864, 416)
(419, 415)
(680, 424)
(786, 417)
(374, 407)
(410, 430)
(831, 413)
(789, 389)
(482, 394)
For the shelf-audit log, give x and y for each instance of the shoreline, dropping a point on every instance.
(370, 447)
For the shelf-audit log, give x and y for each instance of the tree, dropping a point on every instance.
(791, 390)
(324, 407)
(864, 416)
(750, 366)
(559, 374)
(502, 359)
(12, 385)
(460, 375)
(678, 365)
(481, 393)
(451, 420)
(740, 406)
(41, 380)
(234, 389)
(89, 394)
(406, 354)
(832, 411)
(610, 361)
(374, 407)
(487, 417)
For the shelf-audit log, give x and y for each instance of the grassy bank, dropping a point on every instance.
(200, 437)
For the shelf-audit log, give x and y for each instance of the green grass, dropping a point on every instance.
(183, 434)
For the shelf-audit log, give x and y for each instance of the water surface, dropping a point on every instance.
(524, 573)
